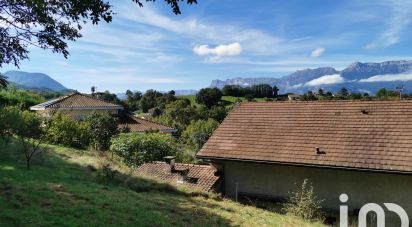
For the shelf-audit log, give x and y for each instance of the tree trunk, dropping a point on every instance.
(28, 163)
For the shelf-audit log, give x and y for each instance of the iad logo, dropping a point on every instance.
(372, 207)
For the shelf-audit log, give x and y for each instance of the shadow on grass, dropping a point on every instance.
(58, 191)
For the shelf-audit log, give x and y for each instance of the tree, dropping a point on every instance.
(249, 97)
(383, 93)
(26, 126)
(343, 93)
(309, 96)
(149, 100)
(198, 132)
(64, 130)
(51, 24)
(321, 92)
(275, 91)
(262, 91)
(3, 81)
(136, 149)
(209, 96)
(102, 128)
(217, 112)
(233, 90)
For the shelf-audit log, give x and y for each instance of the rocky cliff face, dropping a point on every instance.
(357, 77)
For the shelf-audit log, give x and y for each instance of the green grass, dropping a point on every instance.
(228, 100)
(62, 189)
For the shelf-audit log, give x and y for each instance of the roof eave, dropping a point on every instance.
(85, 108)
(306, 165)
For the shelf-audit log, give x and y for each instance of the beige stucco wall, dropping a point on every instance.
(76, 114)
(361, 187)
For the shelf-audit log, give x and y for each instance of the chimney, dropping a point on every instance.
(170, 160)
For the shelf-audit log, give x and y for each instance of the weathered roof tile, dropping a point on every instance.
(206, 176)
(371, 135)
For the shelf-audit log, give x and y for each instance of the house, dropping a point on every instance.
(293, 97)
(76, 105)
(203, 177)
(79, 105)
(139, 125)
(360, 148)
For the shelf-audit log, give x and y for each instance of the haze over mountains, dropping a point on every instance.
(357, 77)
(34, 81)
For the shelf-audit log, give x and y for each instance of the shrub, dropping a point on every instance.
(68, 132)
(102, 128)
(106, 174)
(136, 149)
(304, 203)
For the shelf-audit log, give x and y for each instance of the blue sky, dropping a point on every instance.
(151, 47)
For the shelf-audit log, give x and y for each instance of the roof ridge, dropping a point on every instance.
(61, 99)
(330, 101)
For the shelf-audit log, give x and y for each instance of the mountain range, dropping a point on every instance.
(34, 81)
(357, 77)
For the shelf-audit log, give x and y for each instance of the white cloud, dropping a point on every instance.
(395, 23)
(221, 50)
(388, 77)
(370, 46)
(317, 52)
(327, 79)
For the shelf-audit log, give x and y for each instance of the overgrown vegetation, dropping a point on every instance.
(303, 203)
(64, 130)
(136, 149)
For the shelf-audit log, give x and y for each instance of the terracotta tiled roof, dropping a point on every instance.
(136, 124)
(76, 101)
(202, 177)
(368, 135)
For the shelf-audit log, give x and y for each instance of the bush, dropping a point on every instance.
(136, 149)
(303, 203)
(68, 132)
(102, 128)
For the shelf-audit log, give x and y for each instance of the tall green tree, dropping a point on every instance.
(103, 127)
(209, 96)
(262, 91)
(275, 91)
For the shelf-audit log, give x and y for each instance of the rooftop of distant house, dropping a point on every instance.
(76, 101)
(136, 124)
(202, 177)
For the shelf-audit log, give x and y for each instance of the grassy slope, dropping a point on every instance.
(229, 100)
(61, 190)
